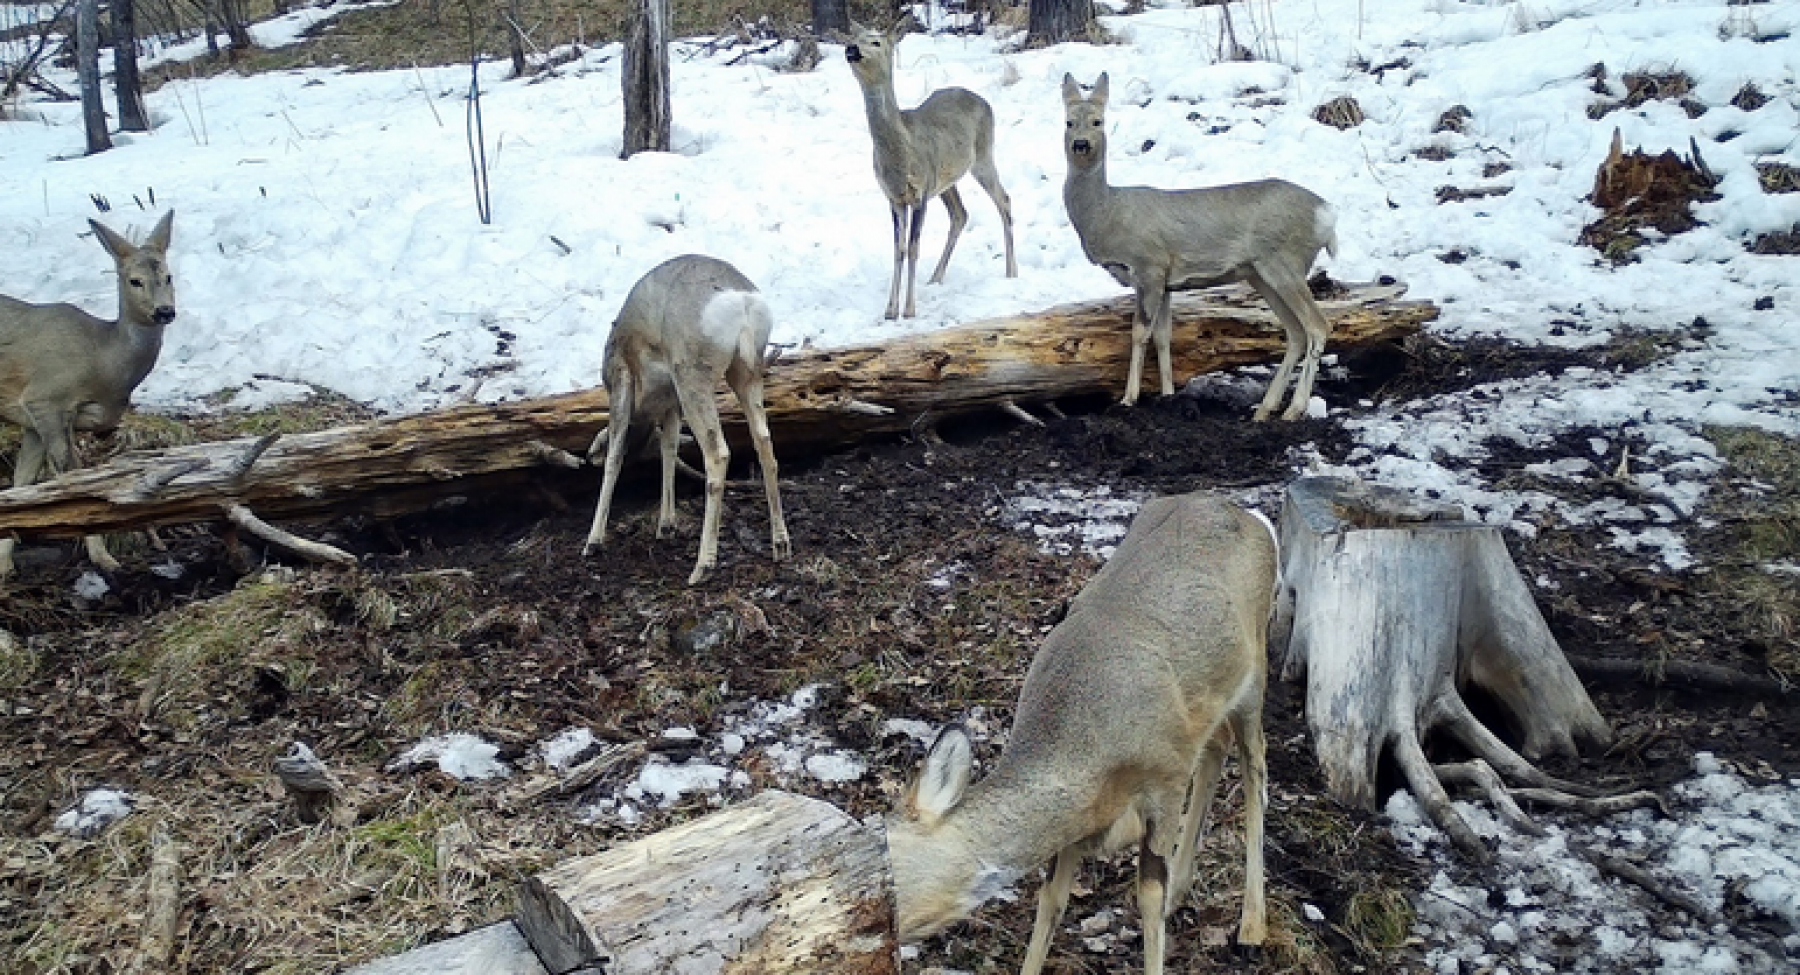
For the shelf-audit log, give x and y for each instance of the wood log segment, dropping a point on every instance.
(404, 464)
(778, 885)
(1398, 606)
(498, 949)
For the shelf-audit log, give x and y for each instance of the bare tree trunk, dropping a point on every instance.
(237, 29)
(87, 67)
(1056, 21)
(132, 117)
(829, 16)
(646, 78)
(515, 35)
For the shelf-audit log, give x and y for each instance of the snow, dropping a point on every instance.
(327, 237)
(459, 754)
(98, 809)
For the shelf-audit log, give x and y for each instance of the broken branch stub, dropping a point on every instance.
(1399, 606)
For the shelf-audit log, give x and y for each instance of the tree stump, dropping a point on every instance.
(779, 884)
(498, 949)
(1398, 606)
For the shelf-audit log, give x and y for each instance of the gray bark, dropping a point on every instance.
(830, 16)
(1057, 21)
(498, 949)
(778, 885)
(87, 68)
(1397, 608)
(130, 89)
(645, 76)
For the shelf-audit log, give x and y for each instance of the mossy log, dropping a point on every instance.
(816, 400)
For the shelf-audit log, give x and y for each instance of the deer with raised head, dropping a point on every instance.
(1156, 242)
(64, 370)
(920, 153)
(1126, 712)
(689, 322)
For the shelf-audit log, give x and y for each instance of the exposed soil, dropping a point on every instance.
(485, 619)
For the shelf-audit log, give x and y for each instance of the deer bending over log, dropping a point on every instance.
(1126, 712)
(64, 370)
(687, 323)
(1266, 233)
(920, 153)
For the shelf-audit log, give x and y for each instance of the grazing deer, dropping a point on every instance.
(920, 153)
(1126, 712)
(63, 370)
(1266, 233)
(687, 323)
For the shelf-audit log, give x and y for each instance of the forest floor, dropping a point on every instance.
(917, 591)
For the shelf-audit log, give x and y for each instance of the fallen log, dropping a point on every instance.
(498, 949)
(404, 464)
(778, 885)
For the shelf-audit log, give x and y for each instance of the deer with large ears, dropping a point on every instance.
(1119, 737)
(64, 370)
(920, 153)
(689, 322)
(1155, 242)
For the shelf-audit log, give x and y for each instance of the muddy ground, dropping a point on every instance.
(485, 619)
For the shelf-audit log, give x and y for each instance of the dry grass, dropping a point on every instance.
(1755, 568)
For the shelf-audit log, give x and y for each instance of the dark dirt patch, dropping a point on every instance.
(487, 620)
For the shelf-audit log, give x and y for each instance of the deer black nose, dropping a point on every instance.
(1080, 145)
(163, 315)
(853, 54)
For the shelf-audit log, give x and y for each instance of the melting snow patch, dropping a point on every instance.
(1544, 908)
(563, 750)
(91, 585)
(1068, 519)
(671, 782)
(459, 755)
(838, 766)
(97, 810)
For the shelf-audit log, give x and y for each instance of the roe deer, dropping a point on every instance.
(920, 153)
(685, 324)
(63, 370)
(1125, 713)
(1266, 233)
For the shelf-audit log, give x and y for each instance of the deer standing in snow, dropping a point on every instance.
(64, 370)
(920, 153)
(1266, 233)
(687, 323)
(1126, 712)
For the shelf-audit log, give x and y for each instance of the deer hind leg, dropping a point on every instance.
(959, 218)
(749, 388)
(1246, 725)
(695, 389)
(985, 174)
(1288, 296)
(26, 466)
(1052, 900)
(618, 427)
(668, 429)
(1153, 891)
(915, 224)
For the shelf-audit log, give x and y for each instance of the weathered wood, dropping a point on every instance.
(1398, 606)
(404, 464)
(498, 949)
(778, 884)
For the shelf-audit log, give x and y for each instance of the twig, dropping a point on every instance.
(152, 484)
(162, 904)
(1624, 870)
(248, 458)
(244, 518)
(1685, 673)
(1019, 413)
(554, 456)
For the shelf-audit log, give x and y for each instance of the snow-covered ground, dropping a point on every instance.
(326, 234)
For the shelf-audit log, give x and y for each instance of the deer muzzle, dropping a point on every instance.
(853, 54)
(163, 315)
(1081, 147)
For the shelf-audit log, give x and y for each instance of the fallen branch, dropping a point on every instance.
(1684, 674)
(162, 904)
(246, 519)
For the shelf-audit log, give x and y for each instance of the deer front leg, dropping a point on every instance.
(1052, 900)
(1153, 894)
(1253, 927)
(915, 225)
(668, 430)
(26, 466)
(1275, 285)
(959, 217)
(618, 423)
(899, 213)
(1140, 333)
(1160, 330)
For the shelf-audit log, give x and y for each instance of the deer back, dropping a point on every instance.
(690, 312)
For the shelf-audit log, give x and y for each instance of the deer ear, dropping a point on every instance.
(115, 245)
(1100, 89)
(1071, 90)
(159, 238)
(945, 775)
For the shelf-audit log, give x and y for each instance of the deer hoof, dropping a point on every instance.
(701, 574)
(783, 549)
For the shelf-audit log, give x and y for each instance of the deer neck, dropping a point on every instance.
(129, 352)
(887, 126)
(1086, 193)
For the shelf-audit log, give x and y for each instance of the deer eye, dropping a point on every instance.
(1095, 123)
(137, 282)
